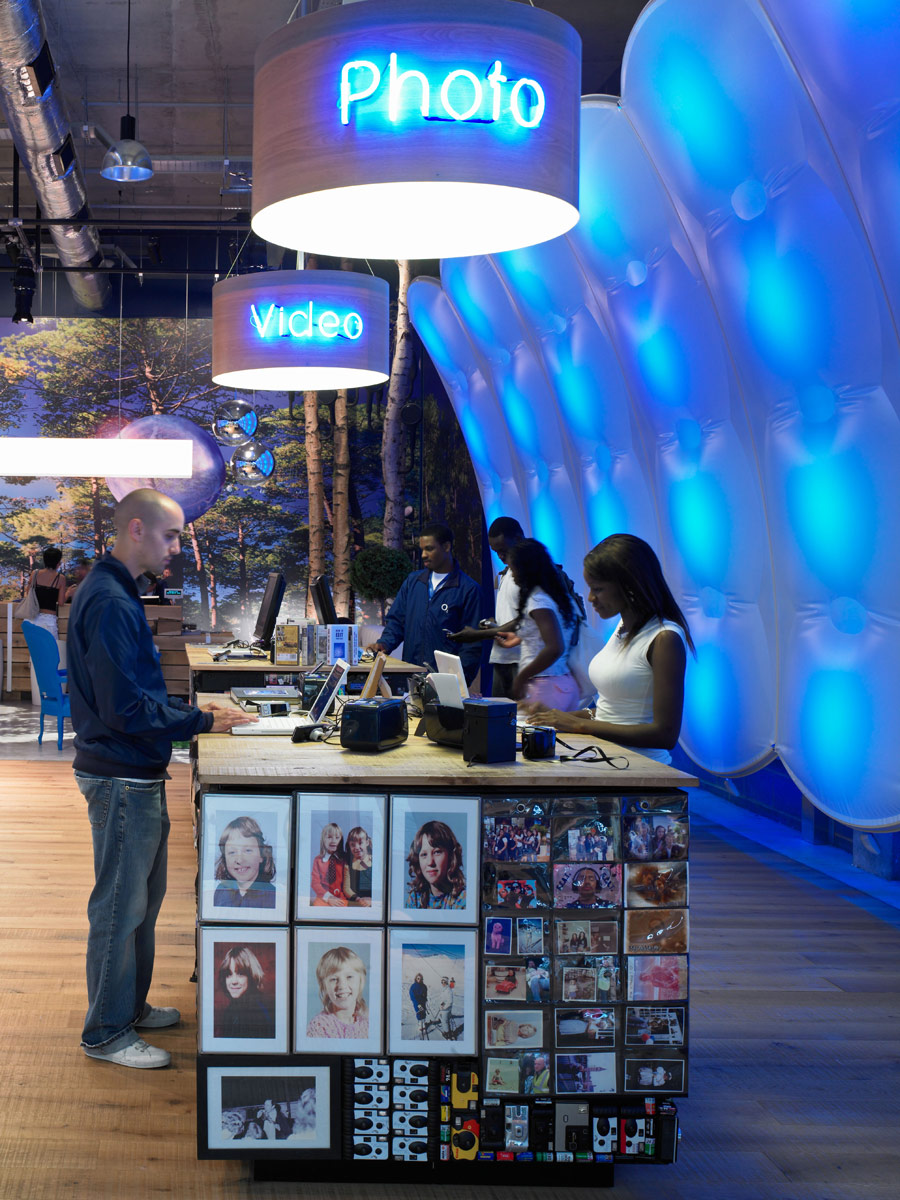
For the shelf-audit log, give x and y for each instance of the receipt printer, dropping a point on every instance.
(377, 724)
(489, 731)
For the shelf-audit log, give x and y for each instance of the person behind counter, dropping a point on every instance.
(639, 673)
(50, 589)
(245, 867)
(80, 570)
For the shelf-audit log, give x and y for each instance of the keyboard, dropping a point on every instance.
(267, 725)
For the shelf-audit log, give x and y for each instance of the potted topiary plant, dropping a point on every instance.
(377, 572)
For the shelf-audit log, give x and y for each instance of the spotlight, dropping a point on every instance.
(23, 286)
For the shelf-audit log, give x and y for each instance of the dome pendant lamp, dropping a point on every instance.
(417, 129)
(127, 160)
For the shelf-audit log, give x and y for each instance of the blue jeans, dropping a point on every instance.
(130, 828)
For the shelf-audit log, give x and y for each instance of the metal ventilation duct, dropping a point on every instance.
(33, 108)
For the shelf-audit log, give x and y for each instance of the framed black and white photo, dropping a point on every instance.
(433, 979)
(341, 856)
(244, 974)
(272, 1108)
(245, 858)
(338, 990)
(435, 859)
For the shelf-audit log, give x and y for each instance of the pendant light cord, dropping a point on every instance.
(128, 63)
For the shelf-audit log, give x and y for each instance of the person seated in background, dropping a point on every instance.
(80, 572)
(50, 588)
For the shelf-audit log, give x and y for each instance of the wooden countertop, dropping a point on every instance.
(226, 760)
(200, 659)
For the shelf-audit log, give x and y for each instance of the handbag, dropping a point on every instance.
(586, 643)
(27, 608)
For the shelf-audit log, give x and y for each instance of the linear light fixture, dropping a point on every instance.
(70, 458)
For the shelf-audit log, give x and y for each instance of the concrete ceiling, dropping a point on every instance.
(192, 90)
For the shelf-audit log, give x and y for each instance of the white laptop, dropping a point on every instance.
(317, 710)
(451, 664)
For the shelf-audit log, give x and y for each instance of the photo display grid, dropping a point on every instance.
(596, 972)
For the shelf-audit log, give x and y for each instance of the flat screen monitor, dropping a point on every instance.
(326, 614)
(269, 609)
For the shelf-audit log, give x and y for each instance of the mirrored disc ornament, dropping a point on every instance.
(234, 423)
(252, 463)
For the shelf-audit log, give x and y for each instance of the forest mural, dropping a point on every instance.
(336, 455)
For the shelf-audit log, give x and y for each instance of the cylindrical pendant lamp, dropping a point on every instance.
(417, 129)
(300, 331)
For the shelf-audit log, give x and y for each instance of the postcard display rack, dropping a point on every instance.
(410, 985)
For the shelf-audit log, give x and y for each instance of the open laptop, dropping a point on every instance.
(317, 710)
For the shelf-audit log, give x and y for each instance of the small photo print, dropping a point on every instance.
(259, 1109)
(585, 1027)
(655, 1073)
(244, 987)
(582, 885)
(593, 838)
(579, 983)
(498, 935)
(656, 1025)
(340, 857)
(517, 887)
(338, 989)
(503, 982)
(655, 837)
(434, 852)
(657, 977)
(432, 993)
(530, 935)
(524, 1074)
(513, 1028)
(591, 1073)
(656, 931)
(245, 858)
(656, 885)
(586, 937)
(519, 839)
(575, 978)
(517, 893)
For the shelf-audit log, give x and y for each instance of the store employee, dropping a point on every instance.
(441, 599)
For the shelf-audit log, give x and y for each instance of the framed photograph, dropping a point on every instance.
(434, 850)
(513, 1028)
(341, 856)
(587, 885)
(245, 858)
(529, 935)
(656, 931)
(656, 885)
(586, 1027)
(244, 988)
(655, 1071)
(526, 1073)
(338, 989)
(514, 837)
(433, 977)
(589, 1073)
(655, 1025)
(587, 838)
(271, 1108)
(655, 837)
(657, 977)
(498, 935)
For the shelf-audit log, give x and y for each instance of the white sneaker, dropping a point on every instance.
(138, 1054)
(159, 1018)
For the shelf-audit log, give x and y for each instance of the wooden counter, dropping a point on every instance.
(200, 659)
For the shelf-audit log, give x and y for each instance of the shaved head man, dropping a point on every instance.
(125, 724)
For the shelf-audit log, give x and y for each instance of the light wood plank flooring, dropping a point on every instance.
(795, 1033)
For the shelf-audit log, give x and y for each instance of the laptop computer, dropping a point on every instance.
(317, 710)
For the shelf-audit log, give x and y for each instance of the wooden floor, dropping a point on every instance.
(794, 1010)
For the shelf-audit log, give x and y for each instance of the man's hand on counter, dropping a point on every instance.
(225, 718)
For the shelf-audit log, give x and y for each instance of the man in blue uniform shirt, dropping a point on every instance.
(125, 724)
(441, 599)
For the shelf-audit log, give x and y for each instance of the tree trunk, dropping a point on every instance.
(340, 504)
(213, 606)
(97, 517)
(243, 589)
(393, 438)
(315, 490)
(205, 615)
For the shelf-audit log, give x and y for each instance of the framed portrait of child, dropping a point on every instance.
(340, 864)
(435, 859)
(245, 858)
(338, 989)
(244, 974)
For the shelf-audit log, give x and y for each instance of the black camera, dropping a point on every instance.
(538, 741)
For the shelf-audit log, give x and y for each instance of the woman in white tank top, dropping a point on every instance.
(639, 673)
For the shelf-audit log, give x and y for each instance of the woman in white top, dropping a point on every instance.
(544, 624)
(639, 673)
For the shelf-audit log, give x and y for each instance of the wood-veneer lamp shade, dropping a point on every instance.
(492, 165)
(300, 330)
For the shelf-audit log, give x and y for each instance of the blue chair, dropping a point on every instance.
(45, 659)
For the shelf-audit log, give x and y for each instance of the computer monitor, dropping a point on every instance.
(268, 610)
(328, 691)
(326, 614)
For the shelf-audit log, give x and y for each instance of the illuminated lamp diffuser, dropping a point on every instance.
(417, 129)
(85, 458)
(300, 331)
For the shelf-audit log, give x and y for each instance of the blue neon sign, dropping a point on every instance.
(460, 95)
(303, 321)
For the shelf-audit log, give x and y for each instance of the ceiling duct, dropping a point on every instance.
(30, 99)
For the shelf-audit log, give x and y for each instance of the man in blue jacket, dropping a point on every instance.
(125, 724)
(432, 603)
